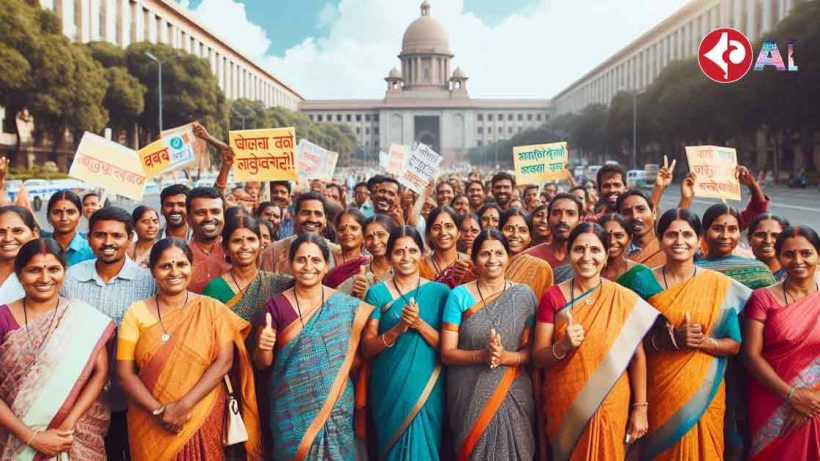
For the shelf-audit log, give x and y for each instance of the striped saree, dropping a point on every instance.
(686, 387)
(406, 393)
(249, 303)
(42, 388)
(791, 346)
(587, 395)
(748, 271)
(312, 394)
(492, 410)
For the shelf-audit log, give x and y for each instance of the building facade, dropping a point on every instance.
(637, 65)
(427, 101)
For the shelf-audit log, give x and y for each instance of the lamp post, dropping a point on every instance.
(242, 116)
(159, 86)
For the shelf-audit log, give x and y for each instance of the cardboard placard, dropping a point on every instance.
(540, 163)
(168, 153)
(267, 154)
(716, 170)
(109, 165)
(422, 167)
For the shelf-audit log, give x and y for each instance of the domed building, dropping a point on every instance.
(426, 100)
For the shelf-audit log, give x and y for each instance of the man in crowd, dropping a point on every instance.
(206, 216)
(550, 190)
(564, 212)
(387, 199)
(611, 184)
(531, 198)
(475, 194)
(280, 194)
(639, 211)
(503, 186)
(310, 217)
(172, 201)
(333, 193)
(111, 283)
(361, 199)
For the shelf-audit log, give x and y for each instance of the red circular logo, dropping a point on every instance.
(725, 55)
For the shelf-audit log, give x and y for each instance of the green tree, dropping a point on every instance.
(125, 97)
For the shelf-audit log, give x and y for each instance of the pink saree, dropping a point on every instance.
(791, 338)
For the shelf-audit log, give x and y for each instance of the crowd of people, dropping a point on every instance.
(481, 319)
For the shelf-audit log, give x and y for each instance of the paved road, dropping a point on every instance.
(799, 206)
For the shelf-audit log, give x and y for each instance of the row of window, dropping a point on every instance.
(367, 130)
(340, 117)
(500, 130)
(510, 117)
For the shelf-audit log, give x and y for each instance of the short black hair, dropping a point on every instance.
(531, 187)
(445, 183)
(90, 194)
(582, 189)
(172, 190)
(501, 176)
(262, 206)
(24, 214)
(139, 211)
(784, 223)
(797, 231)
(202, 192)
(566, 196)
(488, 234)
(360, 184)
(310, 195)
(392, 181)
(285, 184)
(35, 247)
(334, 186)
(239, 220)
(717, 210)
(608, 170)
(375, 180)
(111, 213)
(634, 193)
(474, 181)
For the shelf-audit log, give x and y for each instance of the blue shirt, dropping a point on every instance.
(78, 249)
(367, 209)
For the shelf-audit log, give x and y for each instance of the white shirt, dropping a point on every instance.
(11, 290)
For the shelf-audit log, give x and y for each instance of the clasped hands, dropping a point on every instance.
(173, 416)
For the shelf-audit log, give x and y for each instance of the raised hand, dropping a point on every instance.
(267, 338)
(744, 176)
(666, 173)
(4, 167)
(687, 186)
(53, 441)
(200, 131)
(360, 283)
(227, 155)
(575, 333)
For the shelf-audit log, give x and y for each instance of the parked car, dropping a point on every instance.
(637, 179)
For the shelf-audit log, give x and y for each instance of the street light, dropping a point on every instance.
(159, 73)
(242, 116)
(635, 128)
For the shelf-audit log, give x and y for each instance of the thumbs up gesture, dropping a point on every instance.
(360, 283)
(690, 334)
(410, 314)
(267, 338)
(495, 348)
(575, 333)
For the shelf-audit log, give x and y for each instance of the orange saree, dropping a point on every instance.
(650, 255)
(531, 271)
(170, 369)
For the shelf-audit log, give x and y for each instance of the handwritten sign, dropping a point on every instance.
(316, 162)
(168, 153)
(264, 155)
(200, 146)
(422, 167)
(715, 168)
(540, 163)
(397, 158)
(108, 165)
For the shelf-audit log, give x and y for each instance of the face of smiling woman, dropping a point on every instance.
(722, 235)
(619, 239)
(350, 232)
(443, 232)
(517, 234)
(405, 256)
(309, 265)
(491, 259)
(587, 255)
(13, 234)
(243, 247)
(42, 277)
(172, 271)
(679, 242)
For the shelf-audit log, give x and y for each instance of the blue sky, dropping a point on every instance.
(338, 49)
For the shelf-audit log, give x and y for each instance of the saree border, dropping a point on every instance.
(337, 388)
(606, 374)
(425, 394)
(291, 332)
(487, 413)
(479, 305)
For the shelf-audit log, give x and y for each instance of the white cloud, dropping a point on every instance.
(327, 16)
(534, 53)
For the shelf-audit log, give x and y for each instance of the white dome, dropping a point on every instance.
(425, 35)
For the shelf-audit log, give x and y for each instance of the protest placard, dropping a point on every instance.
(383, 159)
(397, 159)
(422, 167)
(316, 162)
(540, 163)
(108, 165)
(267, 154)
(200, 147)
(715, 168)
(168, 153)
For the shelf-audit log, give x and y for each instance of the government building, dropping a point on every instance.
(426, 100)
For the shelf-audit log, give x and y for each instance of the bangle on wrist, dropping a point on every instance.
(36, 431)
(556, 355)
(791, 392)
(159, 411)
(640, 404)
(672, 336)
(384, 341)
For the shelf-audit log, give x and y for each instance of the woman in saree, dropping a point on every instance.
(146, 228)
(173, 351)
(536, 273)
(349, 261)
(486, 331)
(53, 365)
(461, 204)
(406, 392)
(445, 264)
(782, 335)
(763, 231)
(541, 232)
(308, 340)
(64, 211)
(688, 347)
(245, 288)
(17, 227)
(377, 229)
(721, 228)
(594, 389)
(470, 228)
(619, 269)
